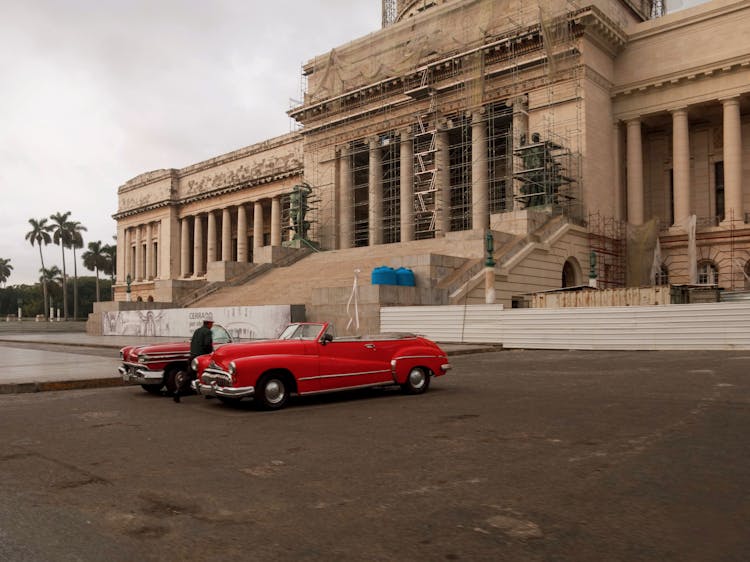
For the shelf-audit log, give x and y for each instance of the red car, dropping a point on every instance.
(307, 359)
(161, 365)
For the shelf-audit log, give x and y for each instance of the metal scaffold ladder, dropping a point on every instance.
(425, 171)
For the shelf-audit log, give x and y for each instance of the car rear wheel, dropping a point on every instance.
(417, 381)
(272, 392)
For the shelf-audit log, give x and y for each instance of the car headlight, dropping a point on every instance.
(194, 364)
(232, 368)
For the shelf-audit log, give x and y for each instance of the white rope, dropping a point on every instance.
(354, 297)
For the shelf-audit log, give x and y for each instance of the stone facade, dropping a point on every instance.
(469, 116)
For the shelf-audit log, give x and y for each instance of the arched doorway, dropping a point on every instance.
(571, 273)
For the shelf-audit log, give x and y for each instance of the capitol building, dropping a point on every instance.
(496, 148)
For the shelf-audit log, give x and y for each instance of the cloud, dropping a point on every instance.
(96, 92)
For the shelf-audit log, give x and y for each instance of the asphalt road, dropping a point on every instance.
(516, 455)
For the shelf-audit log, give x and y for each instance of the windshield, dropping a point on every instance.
(220, 335)
(301, 332)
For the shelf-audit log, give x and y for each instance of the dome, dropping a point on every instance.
(410, 8)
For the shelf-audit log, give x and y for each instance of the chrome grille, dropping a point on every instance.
(211, 376)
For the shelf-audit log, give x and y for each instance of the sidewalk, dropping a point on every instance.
(69, 367)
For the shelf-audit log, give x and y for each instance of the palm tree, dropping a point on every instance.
(110, 252)
(61, 237)
(76, 242)
(39, 234)
(95, 259)
(52, 275)
(5, 269)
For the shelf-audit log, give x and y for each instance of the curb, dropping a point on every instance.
(63, 344)
(47, 386)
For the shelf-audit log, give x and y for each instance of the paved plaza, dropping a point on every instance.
(515, 455)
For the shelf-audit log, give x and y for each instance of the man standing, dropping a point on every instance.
(201, 344)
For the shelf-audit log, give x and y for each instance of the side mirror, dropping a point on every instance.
(327, 338)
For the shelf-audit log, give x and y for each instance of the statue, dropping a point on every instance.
(298, 207)
(541, 175)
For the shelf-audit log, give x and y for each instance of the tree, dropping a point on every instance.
(76, 242)
(96, 259)
(61, 237)
(52, 277)
(110, 251)
(5, 269)
(39, 234)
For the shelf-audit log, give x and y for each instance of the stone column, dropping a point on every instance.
(407, 186)
(122, 254)
(258, 225)
(443, 183)
(138, 255)
(276, 221)
(198, 259)
(733, 204)
(149, 252)
(211, 242)
(184, 247)
(681, 165)
(619, 195)
(635, 173)
(346, 200)
(226, 235)
(241, 233)
(480, 216)
(375, 188)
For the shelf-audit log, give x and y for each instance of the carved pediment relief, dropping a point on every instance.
(268, 166)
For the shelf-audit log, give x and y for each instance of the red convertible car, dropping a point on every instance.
(161, 365)
(307, 359)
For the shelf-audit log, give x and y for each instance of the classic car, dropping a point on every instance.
(161, 365)
(307, 359)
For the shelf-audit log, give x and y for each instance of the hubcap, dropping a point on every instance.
(274, 391)
(416, 378)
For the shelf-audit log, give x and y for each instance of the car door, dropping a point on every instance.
(354, 363)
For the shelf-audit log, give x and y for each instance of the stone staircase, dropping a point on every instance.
(198, 295)
(511, 251)
(295, 282)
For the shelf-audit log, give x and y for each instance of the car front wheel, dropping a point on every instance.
(417, 381)
(152, 388)
(272, 392)
(176, 378)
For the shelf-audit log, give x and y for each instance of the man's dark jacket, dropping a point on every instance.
(202, 342)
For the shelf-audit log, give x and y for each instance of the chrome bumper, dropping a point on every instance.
(140, 376)
(222, 391)
(445, 367)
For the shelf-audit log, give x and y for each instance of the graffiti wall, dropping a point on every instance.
(242, 322)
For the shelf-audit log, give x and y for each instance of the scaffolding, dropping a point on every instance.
(425, 167)
(457, 83)
(607, 241)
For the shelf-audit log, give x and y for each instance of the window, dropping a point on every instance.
(571, 273)
(719, 189)
(662, 276)
(671, 196)
(708, 274)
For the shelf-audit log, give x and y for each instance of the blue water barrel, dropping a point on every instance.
(384, 275)
(405, 277)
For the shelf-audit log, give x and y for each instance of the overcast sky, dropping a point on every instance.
(95, 92)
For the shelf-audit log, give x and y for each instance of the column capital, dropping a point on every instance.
(478, 115)
(678, 110)
(729, 101)
(521, 100)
